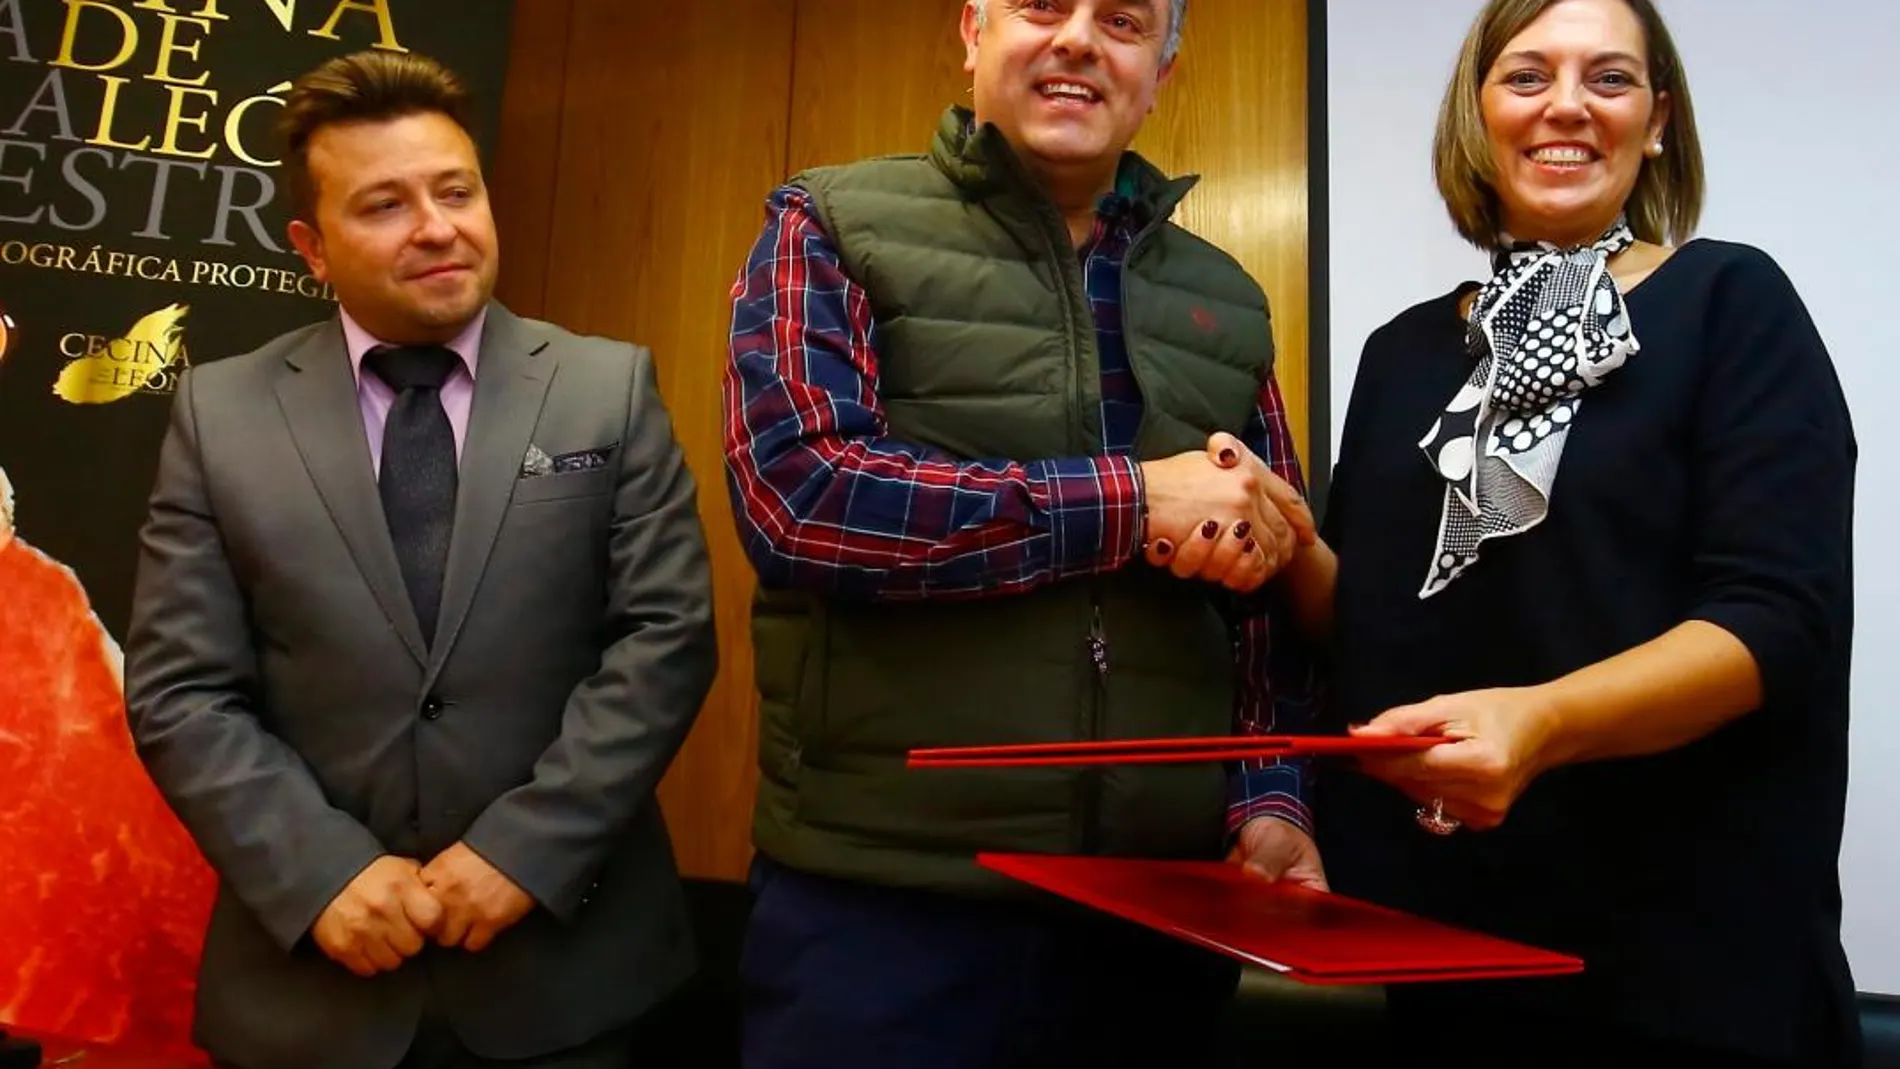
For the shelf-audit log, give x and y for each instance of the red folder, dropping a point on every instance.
(1167, 750)
(1311, 936)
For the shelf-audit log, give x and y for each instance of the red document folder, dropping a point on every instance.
(1166, 750)
(1311, 936)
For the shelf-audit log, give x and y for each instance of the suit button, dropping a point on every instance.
(432, 708)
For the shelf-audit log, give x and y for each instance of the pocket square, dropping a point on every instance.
(537, 462)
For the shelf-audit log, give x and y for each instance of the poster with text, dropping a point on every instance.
(141, 232)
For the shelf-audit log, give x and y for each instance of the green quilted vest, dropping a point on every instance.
(986, 349)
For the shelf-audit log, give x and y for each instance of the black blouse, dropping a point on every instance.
(1710, 478)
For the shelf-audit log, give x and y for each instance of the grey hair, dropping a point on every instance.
(1177, 16)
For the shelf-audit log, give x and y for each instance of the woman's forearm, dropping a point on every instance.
(1663, 694)
(1306, 585)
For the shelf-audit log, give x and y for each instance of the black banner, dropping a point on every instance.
(141, 231)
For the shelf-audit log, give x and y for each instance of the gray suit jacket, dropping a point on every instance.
(282, 697)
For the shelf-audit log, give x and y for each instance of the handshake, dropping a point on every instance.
(396, 905)
(1222, 516)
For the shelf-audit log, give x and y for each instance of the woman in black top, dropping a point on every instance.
(1644, 648)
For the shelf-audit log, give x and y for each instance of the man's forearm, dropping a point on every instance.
(883, 523)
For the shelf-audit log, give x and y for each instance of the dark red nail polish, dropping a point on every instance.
(1210, 529)
(1249, 547)
(1163, 547)
(1243, 529)
(1228, 456)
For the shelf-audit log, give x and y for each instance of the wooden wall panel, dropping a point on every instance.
(873, 77)
(522, 173)
(674, 132)
(1236, 115)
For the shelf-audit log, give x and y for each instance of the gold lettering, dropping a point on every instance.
(199, 269)
(220, 275)
(68, 353)
(91, 266)
(112, 261)
(171, 273)
(128, 36)
(234, 124)
(14, 252)
(97, 346)
(379, 8)
(175, 117)
(169, 46)
(250, 276)
(67, 254)
(152, 274)
(309, 286)
(103, 136)
(285, 10)
(208, 11)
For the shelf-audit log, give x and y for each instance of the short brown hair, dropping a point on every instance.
(368, 86)
(1667, 199)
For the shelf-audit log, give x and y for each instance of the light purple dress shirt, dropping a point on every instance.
(376, 397)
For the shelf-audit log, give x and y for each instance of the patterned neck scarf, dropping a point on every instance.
(1549, 325)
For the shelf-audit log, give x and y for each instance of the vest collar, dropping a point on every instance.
(982, 163)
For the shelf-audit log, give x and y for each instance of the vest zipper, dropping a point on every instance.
(1055, 237)
(1091, 815)
(1098, 645)
(1092, 777)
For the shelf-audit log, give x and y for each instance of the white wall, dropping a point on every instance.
(1802, 144)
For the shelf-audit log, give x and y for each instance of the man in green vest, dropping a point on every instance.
(1005, 447)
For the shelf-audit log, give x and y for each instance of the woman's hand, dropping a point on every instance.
(1501, 746)
(1275, 525)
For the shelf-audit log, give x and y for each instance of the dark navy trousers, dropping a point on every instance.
(843, 975)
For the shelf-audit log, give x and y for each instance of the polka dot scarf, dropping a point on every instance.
(1549, 325)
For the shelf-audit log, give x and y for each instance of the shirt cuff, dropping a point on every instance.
(1277, 790)
(1093, 512)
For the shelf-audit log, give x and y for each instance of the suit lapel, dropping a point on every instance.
(511, 382)
(317, 394)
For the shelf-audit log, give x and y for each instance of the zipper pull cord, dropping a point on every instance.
(1098, 644)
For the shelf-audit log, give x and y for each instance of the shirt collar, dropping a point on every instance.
(467, 344)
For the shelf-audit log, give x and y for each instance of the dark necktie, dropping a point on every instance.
(418, 477)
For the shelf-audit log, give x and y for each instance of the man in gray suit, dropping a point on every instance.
(423, 613)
